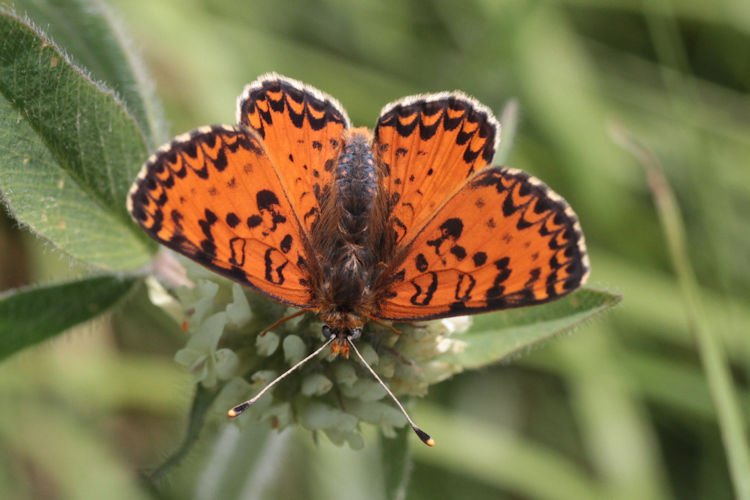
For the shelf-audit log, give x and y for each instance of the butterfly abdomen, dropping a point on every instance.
(356, 186)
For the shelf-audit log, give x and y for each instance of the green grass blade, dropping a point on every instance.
(508, 128)
(497, 336)
(501, 458)
(613, 423)
(68, 152)
(30, 316)
(715, 365)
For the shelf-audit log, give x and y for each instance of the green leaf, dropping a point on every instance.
(68, 152)
(395, 460)
(496, 336)
(93, 38)
(30, 316)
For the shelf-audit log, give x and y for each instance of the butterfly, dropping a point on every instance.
(407, 222)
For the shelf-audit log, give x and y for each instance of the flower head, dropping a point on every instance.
(328, 394)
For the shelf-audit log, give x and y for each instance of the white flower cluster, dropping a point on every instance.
(328, 394)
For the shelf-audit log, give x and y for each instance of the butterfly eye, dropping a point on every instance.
(355, 333)
(327, 332)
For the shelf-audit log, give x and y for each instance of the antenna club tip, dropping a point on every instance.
(426, 438)
(237, 410)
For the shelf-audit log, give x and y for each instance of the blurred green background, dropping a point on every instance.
(619, 409)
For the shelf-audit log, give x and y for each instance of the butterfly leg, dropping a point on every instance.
(280, 321)
(385, 325)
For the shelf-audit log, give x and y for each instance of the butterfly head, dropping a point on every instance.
(341, 336)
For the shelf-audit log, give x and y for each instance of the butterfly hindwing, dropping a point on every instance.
(427, 146)
(215, 196)
(301, 129)
(504, 240)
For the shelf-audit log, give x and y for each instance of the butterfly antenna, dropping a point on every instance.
(244, 406)
(426, 439)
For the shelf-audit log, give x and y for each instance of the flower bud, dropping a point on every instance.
(238, 311)
(266, 344)
(294, 349)
(315, 385)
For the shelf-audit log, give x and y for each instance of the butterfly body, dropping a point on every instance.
(348, 239)
(407, 222)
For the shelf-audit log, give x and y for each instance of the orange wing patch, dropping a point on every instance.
(301, 130)
(427, 146)
(214, 195)
(504, 240)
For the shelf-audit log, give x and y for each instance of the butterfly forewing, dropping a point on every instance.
(301, 129)
(504, 240)
(427, 146)
(215, 196)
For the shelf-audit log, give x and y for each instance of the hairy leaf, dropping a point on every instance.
(93, 38)
(496, 336)
(30, 316)
(68, 152)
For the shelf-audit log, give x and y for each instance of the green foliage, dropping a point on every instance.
(396, 463)
(32, 315)
(494, 337)
(202, 401)
(495, 456)
(68, 154)
(622, 409)
(712, 353)
(89, 33)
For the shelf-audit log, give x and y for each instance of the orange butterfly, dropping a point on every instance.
(405, 223)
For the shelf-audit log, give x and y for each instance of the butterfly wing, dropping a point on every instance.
(215, 196)
(301, 131)
(503, 240)
(427, 146)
